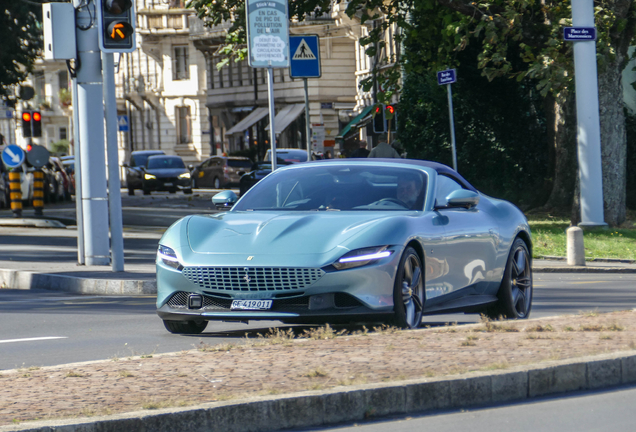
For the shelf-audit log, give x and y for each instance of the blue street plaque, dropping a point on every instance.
(579, 33)
(13, 156)
(267, 33)
(305, 56)
(122, 123)
(447, 76)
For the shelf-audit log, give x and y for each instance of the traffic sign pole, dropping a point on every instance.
(307, 125)
(272, 114)
(452, 125)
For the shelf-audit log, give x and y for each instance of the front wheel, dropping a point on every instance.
(408, 291)
(187, 191)
(515, 291)
(185, 327)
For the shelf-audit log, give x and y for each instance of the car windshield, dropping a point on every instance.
(165, 162)
(338, 187)
(142, 158)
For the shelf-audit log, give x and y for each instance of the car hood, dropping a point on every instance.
(282, 233)
(166, 172)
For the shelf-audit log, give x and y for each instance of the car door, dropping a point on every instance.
(470, 242)
(133, 174)
(200, 174)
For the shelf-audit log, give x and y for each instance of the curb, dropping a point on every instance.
(582, 269)
(19, 279)
(31, 223)
(311, 409)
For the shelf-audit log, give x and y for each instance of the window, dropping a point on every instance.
(62, 77)
(445, 185)
(63, 133)
(184, 125)
(180, 62)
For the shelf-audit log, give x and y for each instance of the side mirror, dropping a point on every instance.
(190, 167)
(462, 198)
(224, 200)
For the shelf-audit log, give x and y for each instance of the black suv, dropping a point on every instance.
(135, 169)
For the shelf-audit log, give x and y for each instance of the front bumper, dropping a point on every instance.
(345, 295)
(166, 184)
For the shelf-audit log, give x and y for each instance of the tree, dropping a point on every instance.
(21, 35)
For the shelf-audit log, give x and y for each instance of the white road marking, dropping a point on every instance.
(33, 339)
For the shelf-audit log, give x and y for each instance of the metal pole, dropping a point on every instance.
(112, 151)
(587, 113)
(78, 179)
(307, 124)
(91, 134)
(272, 113)
(452, 125)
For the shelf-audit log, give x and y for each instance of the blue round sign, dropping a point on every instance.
(13, 156)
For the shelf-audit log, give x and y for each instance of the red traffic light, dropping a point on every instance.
(390, 109)
(26, 116)
(36, 116)
(29, 147)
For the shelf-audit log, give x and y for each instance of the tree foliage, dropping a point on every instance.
(21, 35)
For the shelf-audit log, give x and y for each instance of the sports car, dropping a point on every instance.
(385, 240)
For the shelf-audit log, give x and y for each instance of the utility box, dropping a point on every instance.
(59, 31)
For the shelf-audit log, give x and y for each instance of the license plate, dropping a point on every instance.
(251, 304)
(167, 184)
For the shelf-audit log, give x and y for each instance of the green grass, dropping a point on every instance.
(548, 237)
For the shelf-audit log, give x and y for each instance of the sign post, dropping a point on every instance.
(305, 63)
(448, 77)
(588, 134)
(268, 46)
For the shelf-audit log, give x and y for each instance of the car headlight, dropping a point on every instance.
(185, 175)
(361, 257)
(149, 177)
(168, 256)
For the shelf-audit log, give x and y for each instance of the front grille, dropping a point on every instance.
(253, 278)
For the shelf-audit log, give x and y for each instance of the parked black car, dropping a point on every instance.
(134, 171)
(220, 171)
(261, 169)
(165, 173)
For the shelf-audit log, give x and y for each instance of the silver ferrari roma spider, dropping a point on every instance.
(347, 240)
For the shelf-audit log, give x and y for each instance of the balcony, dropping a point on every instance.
(163, 17)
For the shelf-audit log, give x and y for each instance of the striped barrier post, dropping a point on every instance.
(38, 191)
(15, 193)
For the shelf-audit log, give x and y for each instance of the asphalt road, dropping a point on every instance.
(604, 411)
(47, 328)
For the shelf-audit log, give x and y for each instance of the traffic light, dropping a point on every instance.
(379, 125)
(36, 124)
(390, 116)
(116, 19)
(26, 124)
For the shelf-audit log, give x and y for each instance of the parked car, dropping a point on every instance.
(165, 173)
(220, 171)
(261, 169)
(134, 168)
(347, 241)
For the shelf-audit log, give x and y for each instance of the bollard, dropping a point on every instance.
(575, 248)
(15, 193)
(38, 191)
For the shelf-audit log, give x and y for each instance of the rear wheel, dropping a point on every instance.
(515, 292)
(217, 183)
(146, 191)
(408, 291)
(185, 327)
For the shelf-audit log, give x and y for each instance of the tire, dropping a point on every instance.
(194, 183)
(515, 292)
(187, 191)
(131, 191)
(146, 192)
(172, 191)
(185, 327)
(408, 291)
(217, 183)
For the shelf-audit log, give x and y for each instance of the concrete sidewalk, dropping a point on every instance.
(42, 254)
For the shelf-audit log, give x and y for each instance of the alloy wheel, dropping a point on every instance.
(412, 291)
(521, 282)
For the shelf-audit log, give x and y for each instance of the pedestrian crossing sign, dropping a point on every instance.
(305, 61)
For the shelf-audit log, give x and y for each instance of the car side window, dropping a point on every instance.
(445, 185)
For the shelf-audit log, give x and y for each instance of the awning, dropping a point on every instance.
(354, 122)
(248, 121)
(286, 116)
